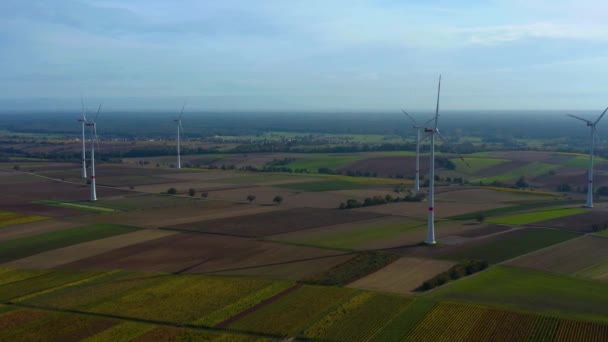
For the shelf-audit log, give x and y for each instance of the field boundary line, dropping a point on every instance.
(141, 320)
(265, 302)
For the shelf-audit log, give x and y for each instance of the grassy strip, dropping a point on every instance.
(513, 244)
(523, 289)
(512, 209)
(78, 206)
(362, 264)
(9, 218)
(536, 216)
(26, 246)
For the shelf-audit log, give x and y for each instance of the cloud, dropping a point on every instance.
(507, 33)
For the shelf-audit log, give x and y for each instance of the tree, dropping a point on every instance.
(521, 182)
(602, 190)
(564, 187)
(172, 191)
(277, 199)
(480, 218)
(204, 194)
(191, 192)
(251, 198)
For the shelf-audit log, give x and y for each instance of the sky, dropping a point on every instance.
(312, 55)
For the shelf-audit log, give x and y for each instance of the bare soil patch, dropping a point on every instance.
(200, 253)
(74, 253)
(281, 221)
(420, 209)
(403, 275)
(568, 257)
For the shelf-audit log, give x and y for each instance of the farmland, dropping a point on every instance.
(514, 288)
(299, 268)
(8, 218)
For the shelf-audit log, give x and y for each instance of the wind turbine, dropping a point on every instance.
(418, 130)
(94, 140)
(179, 127)
(83, 120)
(590, 174)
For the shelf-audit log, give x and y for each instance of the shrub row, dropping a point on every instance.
(455, 272)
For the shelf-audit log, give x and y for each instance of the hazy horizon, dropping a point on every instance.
(315, 56)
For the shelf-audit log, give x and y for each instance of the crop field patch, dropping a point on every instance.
(536, 216)
(57, 257)
(143, 201)
(582, 222)
(528, 170)
(196, 297)
(598, 271)
(420, 209)
(35, 228)
(359, 318)
(8, 218)
(475, 164)
(403, 275)
(507, 245)
(288, 315)
(85, 206)
(32, 286)
(324, 185)
(447, 322)
(524, 289)
(277, 222)
(202, 253)
(485, 194)
(313, 162)
(377, 233)
(589, 250)
(30, 245)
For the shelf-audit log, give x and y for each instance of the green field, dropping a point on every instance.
(312, 162)
(326, 185)
(512, 244)
(77, 205)
(597, 271)
(529, 171)
(362, 235)
(522, 289)
(512, 209)
(293, 313)
(536, 216)
(475, 165)
(26, 246)
(582, 161)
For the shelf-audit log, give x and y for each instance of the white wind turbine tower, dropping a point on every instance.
(179, 127)
(83, 120)
(94, 140)
(590, 174)
(418, 130)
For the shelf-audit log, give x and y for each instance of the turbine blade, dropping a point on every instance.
(428, 121)
(96, 138)
(601, 116)
(410, 117)
(579, 118)
(437, 108)
(182, 111)
(84, 117)
(424, 138)
(451, 148)
(96, 115)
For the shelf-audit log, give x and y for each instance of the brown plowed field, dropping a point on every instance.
(403, 275)
(568, 257)
(200, 253)
(484, 230)
(74, 253)
(35, 228)
(281, 221)
(51, 190)
(580, 223)
(420, 209)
